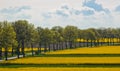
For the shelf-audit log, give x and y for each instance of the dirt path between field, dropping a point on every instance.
(11, 58)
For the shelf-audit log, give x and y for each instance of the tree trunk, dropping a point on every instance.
(75, 44)
(84, 43)
(70, 43)
(110, 41)
(23, 48)
(0, 53)
(87, 43)
(6, 53)
(119, 39)
(45, 48)
(80, 43)
(113, 41)
(18, 50)
(62, 45)
(12, 51)
(98, 42)
(56, 46)
(102, 40)
(53, 46)
(49, 47)
(91, 43)
(32, 49)
(94, 43)
(59, 45)
(66, 44)
(39, 48)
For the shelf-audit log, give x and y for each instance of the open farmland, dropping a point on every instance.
(89, 50)
(58, 57)
(66, 60)
(59, 35)
(59, 69)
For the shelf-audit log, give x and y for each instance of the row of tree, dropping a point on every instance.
(21, 34)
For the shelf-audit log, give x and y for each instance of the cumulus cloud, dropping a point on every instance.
(67, 11)
(84, 18)
(87, 12)
(94, 5)
(14, 13)
(14, 10)
(61, 13)
(65, 7)
(117, 8)
(81, 13)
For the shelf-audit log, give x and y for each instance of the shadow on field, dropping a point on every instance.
(16, 65)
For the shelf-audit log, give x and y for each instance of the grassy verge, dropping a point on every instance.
(76, 55)
(15, 65)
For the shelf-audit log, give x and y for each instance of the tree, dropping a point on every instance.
(109, 35)
(55, 40)
(114, 35)
(80, 37)
(45, 36)
(58, 36)
(70, 34)
(88, 35)
(14, 46)
(118, 29)
(21, 29)
(8, 37)
(32, 36)
(1, 31)
(95, 36)
(40, 34)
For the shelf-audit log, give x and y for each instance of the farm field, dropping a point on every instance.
(59, 35)
(79, 59)
(59, 69)
(89, 50)
(65, 60)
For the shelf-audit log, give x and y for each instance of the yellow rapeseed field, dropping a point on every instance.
(65, 60)
(59, 69)
(90, 50)
(70, 60)
(100, 40)
(55, 60)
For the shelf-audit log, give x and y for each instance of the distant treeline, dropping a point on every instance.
(21, 34)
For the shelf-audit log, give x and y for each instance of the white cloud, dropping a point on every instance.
(49, 13)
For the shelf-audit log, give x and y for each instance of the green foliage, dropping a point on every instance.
(70, 33)
(32, 34)
(46, 36)
(40, 34)
(21, 28)
(8, 35)
(1, 31)
(88, 34)
(22, 34)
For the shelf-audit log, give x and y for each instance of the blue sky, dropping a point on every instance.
(49, 13)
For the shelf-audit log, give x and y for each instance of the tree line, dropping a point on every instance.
(21, 34)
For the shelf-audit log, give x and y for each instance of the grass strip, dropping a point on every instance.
(15, 65)
(76, 55)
